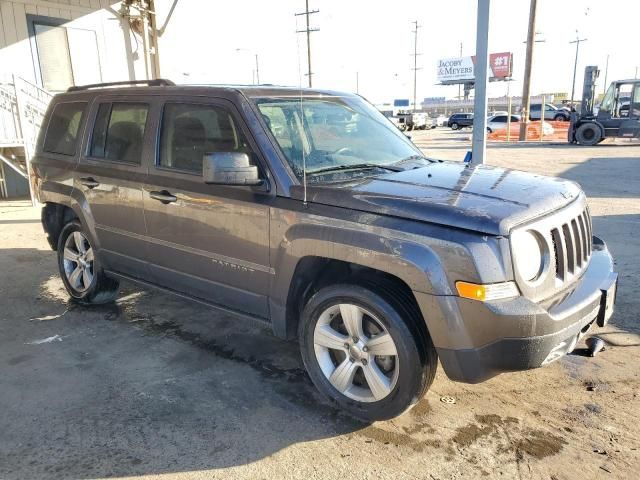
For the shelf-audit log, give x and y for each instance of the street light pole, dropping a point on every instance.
(577, 41)
(606, 73)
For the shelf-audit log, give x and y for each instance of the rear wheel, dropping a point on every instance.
(79, 268)
(588, 134)
(363, 352)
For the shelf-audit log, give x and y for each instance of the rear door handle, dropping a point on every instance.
(89, 182)
(163, 196)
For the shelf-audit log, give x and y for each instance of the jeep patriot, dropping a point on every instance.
(309, 211)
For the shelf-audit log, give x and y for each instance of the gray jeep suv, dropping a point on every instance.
(308, 210)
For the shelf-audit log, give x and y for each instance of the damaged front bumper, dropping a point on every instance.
(527, 335)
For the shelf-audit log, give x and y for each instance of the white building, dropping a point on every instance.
(47, 46)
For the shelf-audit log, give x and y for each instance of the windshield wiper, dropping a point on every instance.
(355, 166)
(410, 158)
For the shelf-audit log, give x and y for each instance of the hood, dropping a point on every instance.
(484, 199)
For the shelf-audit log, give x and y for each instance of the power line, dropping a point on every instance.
(415, 63)
(308, 31)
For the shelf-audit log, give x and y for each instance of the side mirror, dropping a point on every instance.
(229, 168)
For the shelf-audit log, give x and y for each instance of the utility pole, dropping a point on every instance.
(577, 41)
(415, 64)
(606, 73)
(526, 87)
(308, 31)
(460, 85)
(357, 82)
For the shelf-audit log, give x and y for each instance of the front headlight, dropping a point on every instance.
(528, 254)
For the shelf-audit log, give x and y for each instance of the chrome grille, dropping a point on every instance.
(572, 245)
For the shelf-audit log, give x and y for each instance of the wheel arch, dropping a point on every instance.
(306, 263)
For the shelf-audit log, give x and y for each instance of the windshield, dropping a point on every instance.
(331, 132)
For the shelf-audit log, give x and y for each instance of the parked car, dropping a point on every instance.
(499, 122)
(309, 212)
(441, 120)
(460, 120)
(551, 112)
(421, 121)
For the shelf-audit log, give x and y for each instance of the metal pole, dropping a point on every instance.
(509, 118)
(257, 70)
(526, 87)
(606, 73)
(479, 139)
(357, 82)
(415, 64)
(542, 109)
(459, 86)
(575, 66)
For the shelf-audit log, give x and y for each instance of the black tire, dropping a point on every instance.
(455, 126)
(489, 130)
(561, 118)
(414, 348)
(588, 134)
(101, 289)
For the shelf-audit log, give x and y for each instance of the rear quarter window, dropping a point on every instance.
(63, 128)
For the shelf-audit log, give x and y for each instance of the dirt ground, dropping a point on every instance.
(154, 386)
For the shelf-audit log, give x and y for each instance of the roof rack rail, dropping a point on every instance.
(158, 82)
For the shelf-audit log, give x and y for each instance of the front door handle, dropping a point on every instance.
(89, 182)
(163, 196)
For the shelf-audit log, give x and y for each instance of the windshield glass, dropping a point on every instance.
(328, 132)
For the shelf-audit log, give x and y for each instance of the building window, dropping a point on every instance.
(63, 56)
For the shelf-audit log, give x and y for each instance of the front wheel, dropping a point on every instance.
(79, 268)
(365, 351)
(455, 126)
(588, 134)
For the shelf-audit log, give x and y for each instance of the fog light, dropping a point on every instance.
(487, 292)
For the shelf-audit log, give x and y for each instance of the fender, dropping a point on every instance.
(415, 264)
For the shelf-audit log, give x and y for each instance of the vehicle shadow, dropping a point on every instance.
(150, 384)
(615, 177)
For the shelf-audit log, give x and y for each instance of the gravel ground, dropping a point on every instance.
(156, 386)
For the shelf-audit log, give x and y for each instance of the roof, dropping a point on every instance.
(166, 86)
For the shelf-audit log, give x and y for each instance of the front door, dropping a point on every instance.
(110, 175)
(209, 241)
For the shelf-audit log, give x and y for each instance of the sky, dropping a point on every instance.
(373, 41)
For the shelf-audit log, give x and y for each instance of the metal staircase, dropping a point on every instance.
(22, 109)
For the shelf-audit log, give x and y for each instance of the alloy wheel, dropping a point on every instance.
(78, 261)
(356, 353)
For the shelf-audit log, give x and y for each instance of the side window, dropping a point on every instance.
(62, 131)
(190, 131)
(514, 118)
(500, 119)
(119, 131)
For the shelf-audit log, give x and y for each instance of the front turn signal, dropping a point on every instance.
(488, 292)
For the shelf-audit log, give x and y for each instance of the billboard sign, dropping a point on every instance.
(401, 102)
(462, 69)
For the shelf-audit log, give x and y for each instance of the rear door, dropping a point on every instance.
(110, 175)
(630, 127)
(209, 241)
